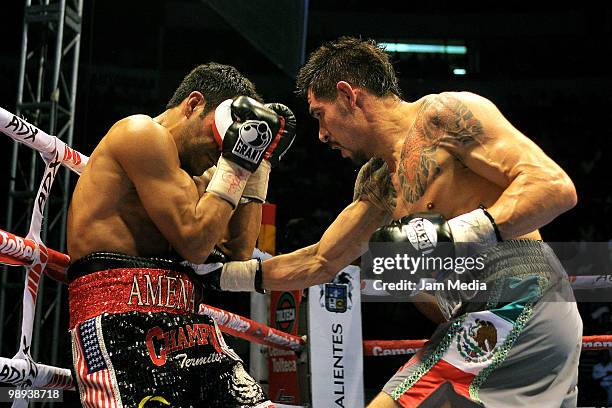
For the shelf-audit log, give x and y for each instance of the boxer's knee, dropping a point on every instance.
(383, 400)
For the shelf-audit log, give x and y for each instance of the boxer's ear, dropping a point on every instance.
(193, 101)
(347, 94)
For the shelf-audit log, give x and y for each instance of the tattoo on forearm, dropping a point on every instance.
(374, 184)
(441, 120)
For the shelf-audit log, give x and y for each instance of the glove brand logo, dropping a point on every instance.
(254, 138)
(422, 235)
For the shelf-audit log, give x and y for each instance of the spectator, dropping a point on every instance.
(602, 372)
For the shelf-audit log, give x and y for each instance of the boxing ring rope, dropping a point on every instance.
(12, 253)
(377, 348)
(21, 370)
(31, 253)
(15, 251)
(242, 327)
(245, 328)
(23, 132)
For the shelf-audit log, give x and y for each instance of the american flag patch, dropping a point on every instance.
(92, 354)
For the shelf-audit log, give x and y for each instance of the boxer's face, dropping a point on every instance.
(200, 151)
(338, 126)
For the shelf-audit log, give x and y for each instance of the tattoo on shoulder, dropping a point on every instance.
(441, 120)
(374, 184)
(458, 123)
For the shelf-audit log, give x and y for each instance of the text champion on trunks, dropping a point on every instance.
(451, 170)
(147, 211)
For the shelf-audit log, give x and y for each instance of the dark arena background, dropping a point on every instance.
(546, 66)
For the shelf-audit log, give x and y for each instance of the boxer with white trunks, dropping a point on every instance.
(449, 156)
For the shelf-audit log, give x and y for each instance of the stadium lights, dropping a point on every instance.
(424, 48)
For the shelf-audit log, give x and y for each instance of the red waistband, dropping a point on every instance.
(130, 289)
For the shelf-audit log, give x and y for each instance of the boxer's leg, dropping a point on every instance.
(383, 400)
(541, 369)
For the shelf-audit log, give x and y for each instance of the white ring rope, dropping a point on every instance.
(21, 370)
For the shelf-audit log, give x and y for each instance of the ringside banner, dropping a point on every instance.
(282, 364)
(335, 341)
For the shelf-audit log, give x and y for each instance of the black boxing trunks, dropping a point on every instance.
(136, 341)
(519, 348)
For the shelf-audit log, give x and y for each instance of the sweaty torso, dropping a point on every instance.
(429, 176)
(105, 212)
(450, 189)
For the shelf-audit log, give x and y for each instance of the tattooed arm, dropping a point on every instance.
(374, 185)
(536, 189)
(344, 241)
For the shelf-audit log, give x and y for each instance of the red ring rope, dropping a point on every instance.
(17, 251)
(378, 348)
(13, 251)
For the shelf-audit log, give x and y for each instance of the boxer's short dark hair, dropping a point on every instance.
(359, 62)
(217, 82)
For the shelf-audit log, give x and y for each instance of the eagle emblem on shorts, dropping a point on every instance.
(477, 341)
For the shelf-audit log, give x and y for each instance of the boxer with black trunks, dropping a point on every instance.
(150, 203)
(449, 156)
